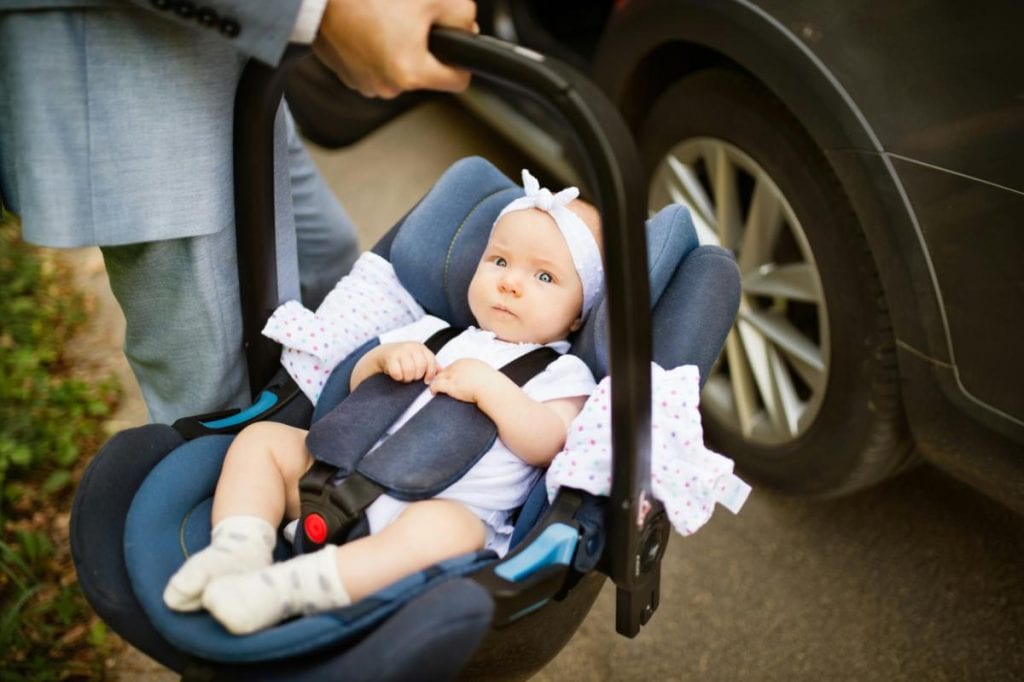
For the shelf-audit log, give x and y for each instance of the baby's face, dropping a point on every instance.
(525, 288)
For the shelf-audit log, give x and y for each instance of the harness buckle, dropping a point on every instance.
(331, 507)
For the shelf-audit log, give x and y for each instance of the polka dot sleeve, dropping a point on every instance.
(688, 478)
(364, 304)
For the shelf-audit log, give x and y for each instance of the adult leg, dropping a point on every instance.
(258, 486)
(183, 336)
(181, 301)
(327, 243)
(425, 533)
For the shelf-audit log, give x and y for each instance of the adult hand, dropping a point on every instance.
(379, 47)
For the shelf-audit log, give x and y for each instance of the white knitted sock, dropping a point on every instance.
(306, 584)
(238, 544)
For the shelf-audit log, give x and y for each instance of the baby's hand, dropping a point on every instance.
(407, 361)
(464, 380)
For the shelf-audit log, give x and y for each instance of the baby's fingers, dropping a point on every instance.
(432, 368)
(440, 381)
(412, 367)
(410, 363)
(394, 367)
(419, 361)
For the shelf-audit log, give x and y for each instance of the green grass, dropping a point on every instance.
(50, 423)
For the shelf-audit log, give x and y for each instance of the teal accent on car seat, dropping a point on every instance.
(262, 404)
(556, 545)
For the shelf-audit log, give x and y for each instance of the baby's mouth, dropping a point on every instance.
(502, 309)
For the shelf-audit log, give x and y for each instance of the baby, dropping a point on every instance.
(539, 275)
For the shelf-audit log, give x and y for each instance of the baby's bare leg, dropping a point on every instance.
(258, 485)
(261, 473)
(426, 533)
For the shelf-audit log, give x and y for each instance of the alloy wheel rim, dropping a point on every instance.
(769, 382)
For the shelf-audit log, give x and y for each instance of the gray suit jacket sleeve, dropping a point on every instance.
(257, 28)
(116, 126)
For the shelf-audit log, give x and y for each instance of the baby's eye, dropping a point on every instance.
(500, 262)
(545, 277)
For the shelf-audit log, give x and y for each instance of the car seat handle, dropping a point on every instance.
(257, 100)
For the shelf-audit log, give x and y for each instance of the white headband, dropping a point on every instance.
(586, 257)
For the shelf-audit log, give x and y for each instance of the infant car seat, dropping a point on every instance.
(144, 502)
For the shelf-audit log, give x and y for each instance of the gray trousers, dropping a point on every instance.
(181, 301)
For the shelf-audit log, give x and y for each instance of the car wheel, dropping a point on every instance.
(805, 396)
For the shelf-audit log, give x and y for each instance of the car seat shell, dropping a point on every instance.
(113, 555)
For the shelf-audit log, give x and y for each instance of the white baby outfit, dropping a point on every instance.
(500, 481)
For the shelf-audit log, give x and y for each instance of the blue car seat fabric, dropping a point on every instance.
(97, 532)
(169, 516)
(429, 638)
(451, 226)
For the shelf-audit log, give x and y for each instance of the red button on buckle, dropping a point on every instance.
(315, 527)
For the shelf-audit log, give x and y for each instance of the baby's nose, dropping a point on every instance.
(509, 283)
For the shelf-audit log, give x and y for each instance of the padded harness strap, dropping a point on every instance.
(374, 406)
(442, 441)
(435, 448)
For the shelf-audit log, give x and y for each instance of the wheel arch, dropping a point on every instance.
(650, 44)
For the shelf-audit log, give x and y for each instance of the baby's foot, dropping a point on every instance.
(238, 544)
(306, 584)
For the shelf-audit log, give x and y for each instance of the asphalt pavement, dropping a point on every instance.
(920, 578)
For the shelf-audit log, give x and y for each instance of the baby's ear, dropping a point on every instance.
(576, 324)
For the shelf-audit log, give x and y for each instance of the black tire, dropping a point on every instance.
(856, 434)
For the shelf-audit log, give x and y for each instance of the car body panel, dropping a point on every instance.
(922, 123)
(940, 82)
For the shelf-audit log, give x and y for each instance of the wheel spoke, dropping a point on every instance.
(795, 282)
(814, 377)
(761, 231)
(684, 188)
(743, 389)
(758, 352)
(790, 405)
(791, 342)
(727, 201)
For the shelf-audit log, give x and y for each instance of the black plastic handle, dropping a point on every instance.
(616, 181)
(257, 100)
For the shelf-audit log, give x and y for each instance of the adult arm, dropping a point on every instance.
(377, 47)
(256, 28)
